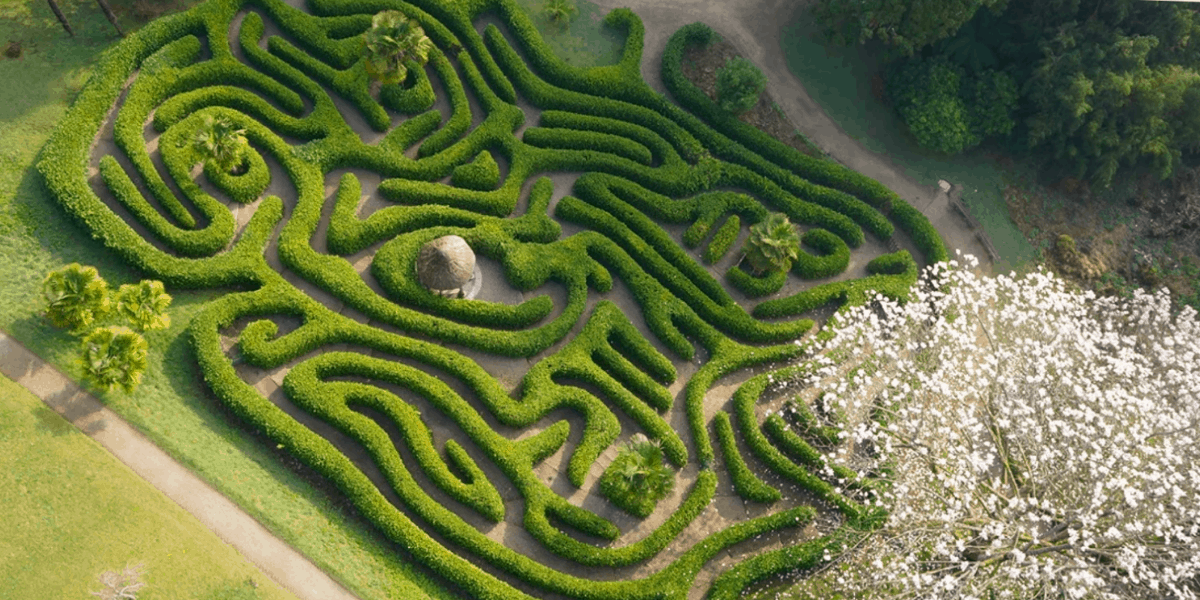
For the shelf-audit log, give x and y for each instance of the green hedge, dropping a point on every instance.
(745, 482)
(723, 239)
(834, 260)
(649, 163)
(481, 174)
(755, 286)
(892, 275)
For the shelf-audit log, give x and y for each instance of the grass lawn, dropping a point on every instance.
(839, 79)
(74, 511)
(583, 42)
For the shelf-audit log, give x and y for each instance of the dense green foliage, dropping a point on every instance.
(76, 296)
(114, 357)
(739, 84)
(648, 169)
(1104, 86)
(907, 25)
(637, 478)
(392, 41)
(947, 110)
(217, 141)
(144, 304)
(773, 245)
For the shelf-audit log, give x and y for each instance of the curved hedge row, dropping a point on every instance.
(647, 163)
(723, 239)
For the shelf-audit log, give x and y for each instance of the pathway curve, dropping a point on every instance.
(273, 556)
(755, 28)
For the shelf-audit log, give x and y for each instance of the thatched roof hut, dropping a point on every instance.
(445, 264)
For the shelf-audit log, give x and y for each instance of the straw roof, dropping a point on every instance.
(446, 263)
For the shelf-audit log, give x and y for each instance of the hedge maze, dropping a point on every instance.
(661, 194)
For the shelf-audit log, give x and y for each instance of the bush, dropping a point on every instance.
(739, 84)
(144, 305)
(637, 478)
(925, 93)
(772, 246)
(481, 174)
(723, 239)
(114, 357)
(75, 295)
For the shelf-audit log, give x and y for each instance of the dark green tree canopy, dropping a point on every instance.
(739, 84)
(908, 25)
(1105, 85)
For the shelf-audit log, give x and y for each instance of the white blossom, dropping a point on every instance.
(1041, 442)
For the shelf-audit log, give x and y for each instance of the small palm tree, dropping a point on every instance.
(392, 41)
(638, 479)
(559, 11)
(773, 245)
(114, 357)
(144, 304)
(219, 141)
(76, 296)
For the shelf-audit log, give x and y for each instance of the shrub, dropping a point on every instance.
(393, 40)
(559, 11)
(481, 174)
(144, 304)
(218, 142)
(114, 357)
(723, 239)
(773, 245)
(739, 84)
(637, 478)
(76, 296)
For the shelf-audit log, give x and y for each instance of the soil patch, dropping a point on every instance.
(700, 66)
(1119, 233)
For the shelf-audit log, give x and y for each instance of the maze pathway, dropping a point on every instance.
(473, 432)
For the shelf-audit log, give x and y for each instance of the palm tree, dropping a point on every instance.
(217, 140)
(76, 296)
(558, 11)
(144, 304)
(773, 244)
(114, 357)
(638, 478)
(392, 41)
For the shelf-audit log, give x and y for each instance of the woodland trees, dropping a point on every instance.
(1101, 85)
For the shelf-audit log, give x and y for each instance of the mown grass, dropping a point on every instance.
(74, 511)
(172, 407)
(584, 41)
(839, 79)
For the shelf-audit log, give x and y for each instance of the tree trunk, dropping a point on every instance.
(61, 18)
(108, 13)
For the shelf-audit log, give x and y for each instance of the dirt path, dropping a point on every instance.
(755, 28)
(273, 556)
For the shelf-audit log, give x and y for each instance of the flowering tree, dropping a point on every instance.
(1035, 442)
